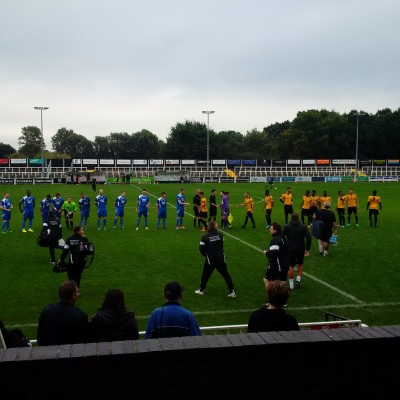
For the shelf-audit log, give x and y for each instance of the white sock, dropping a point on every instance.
(298, 278)
(291, 283)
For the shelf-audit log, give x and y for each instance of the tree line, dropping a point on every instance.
(312, 134)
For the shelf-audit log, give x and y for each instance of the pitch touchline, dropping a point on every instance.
(314, 278)
(248, 311)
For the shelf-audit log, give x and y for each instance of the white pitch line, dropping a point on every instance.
(248, 311)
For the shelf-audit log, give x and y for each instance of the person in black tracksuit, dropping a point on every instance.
(299, 244)
(77, 258)
(277, 253)
(212, 247)
(54, 225)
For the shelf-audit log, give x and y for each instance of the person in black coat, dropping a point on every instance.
(212, 247)
(113, 321)
(76, 257)
(53, 226)
(299, 244)
(272, 316)
(63, 323)
(277, 253)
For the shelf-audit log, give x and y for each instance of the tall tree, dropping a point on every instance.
(147, 145)
(226, 145)
(76, 146)
(187, 141)
(30, 142)
(6, 150)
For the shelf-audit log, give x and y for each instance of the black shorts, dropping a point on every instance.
(196, 212)
(296, 257)
(275, 275)
(203, 215)
(340, 211)
(288, 209)
(325, 236)
(268, 211)
(213, 211)
(351, 210)
(373, 212)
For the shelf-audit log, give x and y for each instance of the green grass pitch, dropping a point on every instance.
(359, 280)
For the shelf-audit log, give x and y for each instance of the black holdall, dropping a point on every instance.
(60, 266)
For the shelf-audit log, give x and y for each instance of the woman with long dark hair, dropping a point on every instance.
(113, 322)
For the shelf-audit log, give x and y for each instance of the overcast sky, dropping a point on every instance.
(126, 65)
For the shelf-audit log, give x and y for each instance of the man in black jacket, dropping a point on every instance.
(62, 323)
(212, 247)
(277, 253)
(299, 244)
(77, 257)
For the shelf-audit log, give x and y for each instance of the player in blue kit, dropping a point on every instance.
(57, 203)
(143, 203)
(120, 202)
(180, 208)
(101, 204)
(84, 206)
(45, 205)
(27, 206)
(161, 208)
(6, 207)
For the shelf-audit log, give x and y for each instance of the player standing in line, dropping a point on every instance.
(212, 210)
(324, 198)
(57, 203)
(249, 204)
(6, 207)
(69, 208)
(27, 206)
(352, 206)
(84, 205)
(161, 210)
(203, 211)
(305, 208)
(119, 203)
(268, 205)
(374, 202)
(314, 203)
(45, 207)
(340, 209)
(101, 204)
(196, 208)
(180, 208)
(143, 203)
(287, 200)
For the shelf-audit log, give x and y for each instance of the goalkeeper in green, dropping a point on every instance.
(69, 207)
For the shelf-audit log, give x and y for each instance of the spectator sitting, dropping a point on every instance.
(272, 316)
(62, 323)
(112, 321)
(172, 320)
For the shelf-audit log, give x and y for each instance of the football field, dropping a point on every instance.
(359, 280)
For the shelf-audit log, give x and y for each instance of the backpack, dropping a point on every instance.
(317, 228)
(45, 238)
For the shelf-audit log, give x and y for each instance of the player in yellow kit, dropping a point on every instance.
(287, 200)
(352, 206)
(341, 207)
(305, 208)
(314, 202)
(374, 205)
(249, 204)
(268, 205)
